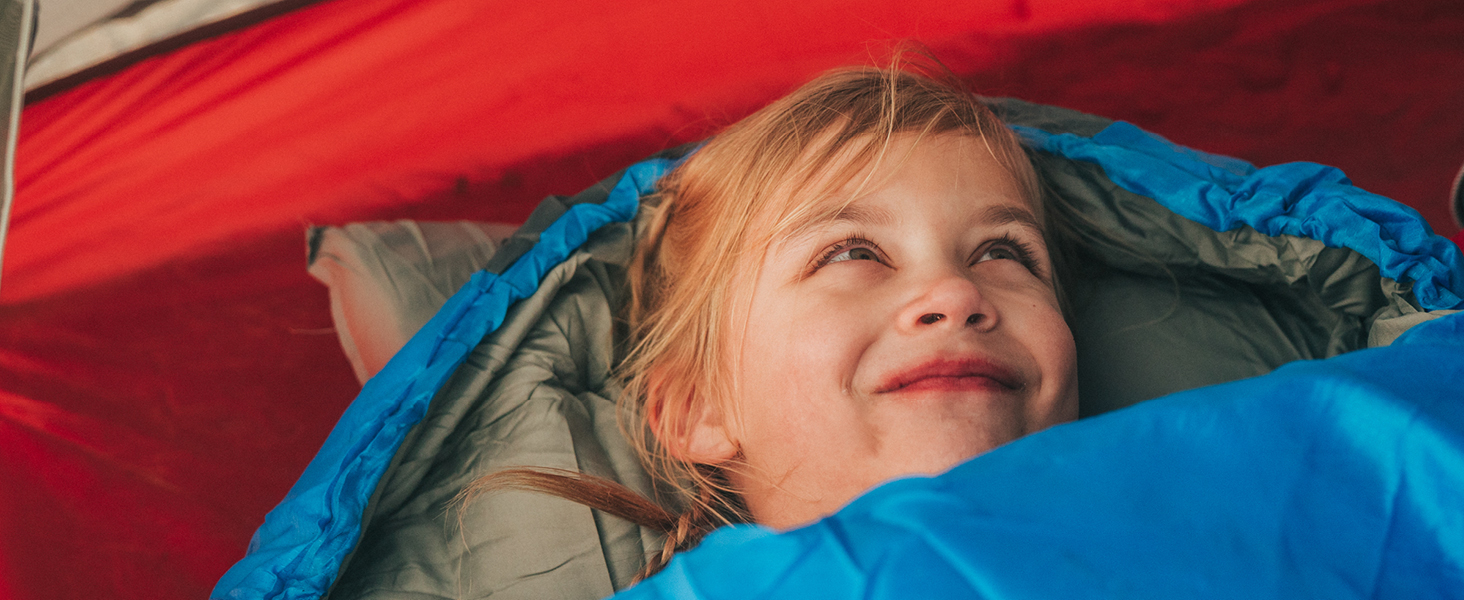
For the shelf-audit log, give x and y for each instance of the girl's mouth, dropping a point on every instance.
(969, 374)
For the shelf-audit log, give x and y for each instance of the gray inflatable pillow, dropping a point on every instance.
(387, 279)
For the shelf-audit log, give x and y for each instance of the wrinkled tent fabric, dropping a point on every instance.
(303, 542)
(166, 368)
(292, 79)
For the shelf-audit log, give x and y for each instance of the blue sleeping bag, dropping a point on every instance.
(1338, 478)
(1338, 475)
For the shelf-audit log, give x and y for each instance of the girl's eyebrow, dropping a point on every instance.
(991, 216)
(865, 215)
(849, 213)
(1002, 214)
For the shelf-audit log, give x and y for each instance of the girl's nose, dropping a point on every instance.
(950, 301)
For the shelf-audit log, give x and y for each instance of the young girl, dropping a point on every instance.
(849, 286)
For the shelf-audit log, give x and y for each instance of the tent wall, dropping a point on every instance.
(166, 367)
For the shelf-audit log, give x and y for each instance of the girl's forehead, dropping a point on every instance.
(832, 192)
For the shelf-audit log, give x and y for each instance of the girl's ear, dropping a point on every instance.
(708, 440)
(687, 425)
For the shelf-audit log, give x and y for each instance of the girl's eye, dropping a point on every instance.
(1009, 248)
(999, 253)
(853, 248)
(855, 253)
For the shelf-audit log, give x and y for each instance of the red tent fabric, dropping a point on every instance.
(167, 367)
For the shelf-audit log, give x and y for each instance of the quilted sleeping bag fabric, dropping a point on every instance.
(549, 367)
(1330, 476)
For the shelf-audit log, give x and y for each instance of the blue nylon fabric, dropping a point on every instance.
(1301, 199)
(1338, 478)
(298, 550)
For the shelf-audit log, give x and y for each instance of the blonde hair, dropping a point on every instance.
(714, 218)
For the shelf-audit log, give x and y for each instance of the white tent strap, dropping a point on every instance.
(106, 39)
(57, 19)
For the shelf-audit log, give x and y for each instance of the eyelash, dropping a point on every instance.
(1023, 251)
(853, 241)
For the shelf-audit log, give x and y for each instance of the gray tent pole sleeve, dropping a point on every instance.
(17, 22)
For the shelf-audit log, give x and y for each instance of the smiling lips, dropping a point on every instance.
(951, 376)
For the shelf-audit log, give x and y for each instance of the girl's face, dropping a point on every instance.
(915, 330)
